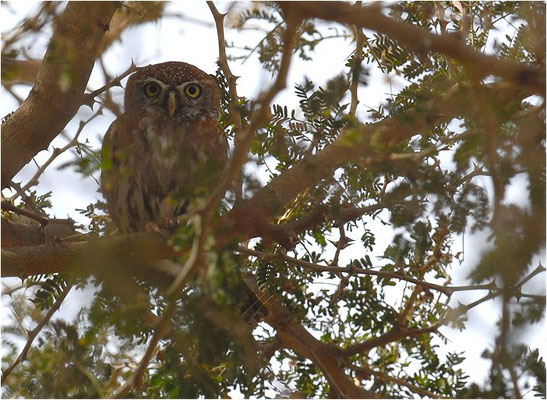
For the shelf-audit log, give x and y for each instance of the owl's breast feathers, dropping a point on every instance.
(151, 172)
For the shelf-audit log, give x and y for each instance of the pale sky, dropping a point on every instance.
(172, 39)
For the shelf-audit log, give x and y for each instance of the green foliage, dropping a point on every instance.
(429, 190)
(49, 289)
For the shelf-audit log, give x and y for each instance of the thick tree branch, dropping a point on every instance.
(60, 256)
(421, 40)
(369, 142)
(17, 234)
(328, 358)
(130, 14)
(63, 76)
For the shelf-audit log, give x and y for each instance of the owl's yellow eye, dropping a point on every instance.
(151, 89)
(193, 91)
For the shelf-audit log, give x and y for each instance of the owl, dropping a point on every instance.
(167, 148)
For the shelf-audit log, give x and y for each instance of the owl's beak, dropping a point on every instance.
(171, 103)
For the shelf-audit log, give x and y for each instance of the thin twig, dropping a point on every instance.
(201, 226)
(161, 329)
(89, 98)
(262, 115)
(356, 70)
(33, 333)
(56, 153)
(399, 381)
(447, 290)
(18, 98)
(539, 269)
(6, 205)
(514, 381)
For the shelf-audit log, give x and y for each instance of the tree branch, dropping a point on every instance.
(328, 358)
(60, 256)
(162, 327)
(261, 116)
(56, 153)
(398, 381)
(393, 335)
(33, 333)
(334, 269)
(17, 234)
(370, 142)
(421, 40)
(356, 68)
(63, 76)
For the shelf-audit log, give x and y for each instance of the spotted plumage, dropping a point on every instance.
(166, 149)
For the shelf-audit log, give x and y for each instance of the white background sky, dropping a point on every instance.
(196, 43)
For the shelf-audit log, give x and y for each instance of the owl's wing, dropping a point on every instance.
(116, 142)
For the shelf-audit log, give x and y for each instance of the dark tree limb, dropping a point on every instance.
(327, 357)
(63, 76)
(368, 144)
(18, 234)
(251, 218)
(60, 256)
(421, 40)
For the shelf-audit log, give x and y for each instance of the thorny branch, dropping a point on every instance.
(356, 67)
(33, 333)
(7, 206)
(421, 40)
(351, 269)
(398, 381)
(56, 153)
(233, 103)
(235, 115)
(203, 216)
(80, 28)
(89, 98)
(261, 116)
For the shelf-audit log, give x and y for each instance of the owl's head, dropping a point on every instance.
(175, 90)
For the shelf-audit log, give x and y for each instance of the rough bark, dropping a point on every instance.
(60, 84)
(422, 41)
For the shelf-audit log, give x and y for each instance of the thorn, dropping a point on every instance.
(342, 243)
(88, 100)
